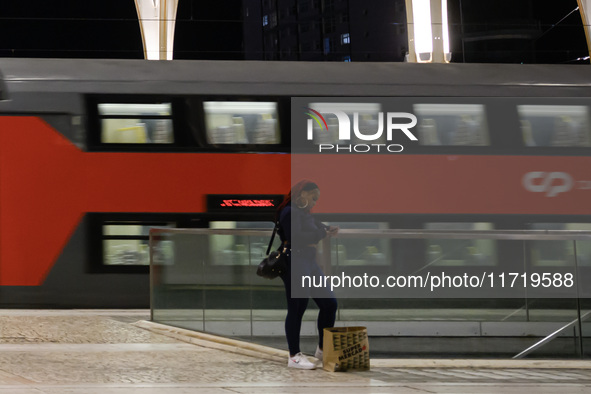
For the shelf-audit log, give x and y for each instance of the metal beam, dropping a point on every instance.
(550, 337)
(585, 10)
(157, 21)
(428, 32)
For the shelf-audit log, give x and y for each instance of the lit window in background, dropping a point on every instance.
(345, 38)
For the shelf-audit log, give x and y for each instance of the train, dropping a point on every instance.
(95, 152)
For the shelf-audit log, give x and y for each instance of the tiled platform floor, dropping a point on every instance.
(103, 352)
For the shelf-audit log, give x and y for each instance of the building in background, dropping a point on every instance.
(325, 30)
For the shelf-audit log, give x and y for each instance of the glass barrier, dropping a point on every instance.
(506, 304)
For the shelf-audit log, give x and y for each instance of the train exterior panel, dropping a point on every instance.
(450, 184)
(49, 184)
(68, 192)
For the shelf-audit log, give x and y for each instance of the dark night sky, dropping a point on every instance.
(110, 29)
(31, 28)
(529, 18)
(213, 30)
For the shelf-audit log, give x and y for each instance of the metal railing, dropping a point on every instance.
(512, 235)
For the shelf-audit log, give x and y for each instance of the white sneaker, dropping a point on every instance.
(319, 353)
(301, 362)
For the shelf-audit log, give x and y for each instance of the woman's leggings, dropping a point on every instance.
(295, 312)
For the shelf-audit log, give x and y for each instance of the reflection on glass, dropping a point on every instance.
(452, 124)
(554, 125)
(460, 252)
(239, 249)
(126, 244)
(163, 252)
(237, 122)
(360, 251)
(560, 253)
(366, 122)
(136, 123)
(125, 251)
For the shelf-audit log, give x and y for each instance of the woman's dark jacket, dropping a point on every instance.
(299, 228)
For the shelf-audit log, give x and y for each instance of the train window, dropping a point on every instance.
(360, 251)
(136, 123)
(366, 121)
(239, 249)
(238, 122)
(460, 252)
(127, 243)
(560, 253)
(554, 125)
(452, 124)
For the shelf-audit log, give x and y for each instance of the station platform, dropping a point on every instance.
(121, 352)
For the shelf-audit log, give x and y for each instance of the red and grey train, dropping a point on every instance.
(94, 152)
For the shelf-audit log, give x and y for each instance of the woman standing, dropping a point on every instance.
(301, 232)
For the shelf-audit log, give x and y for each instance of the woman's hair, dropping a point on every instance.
(297, 189)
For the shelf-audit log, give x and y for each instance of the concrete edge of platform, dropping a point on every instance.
(215, 341)
(269, 353)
